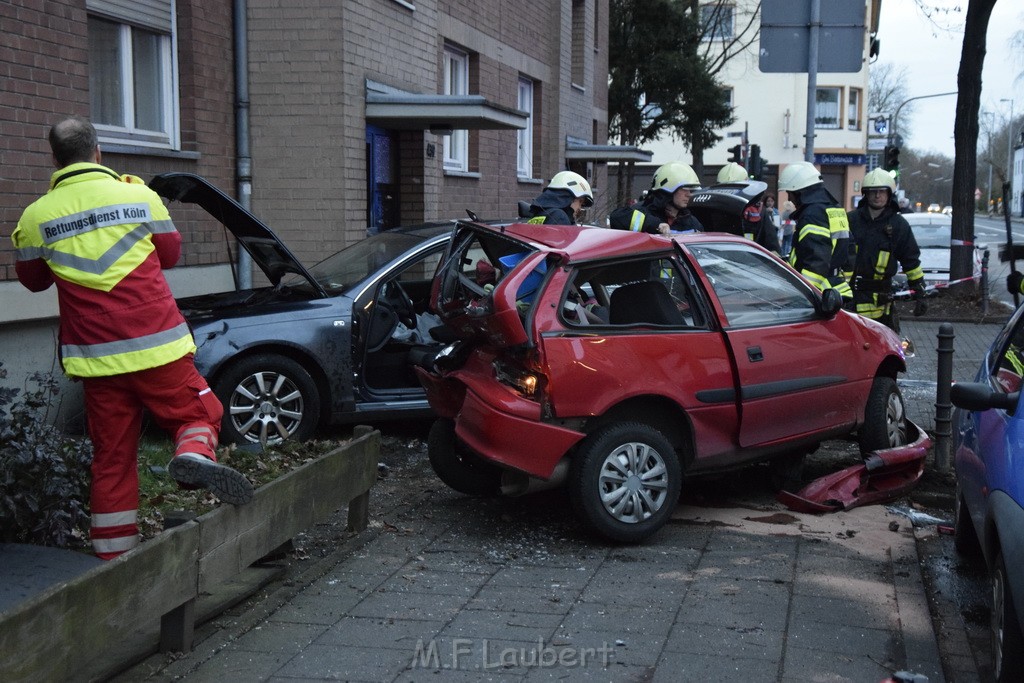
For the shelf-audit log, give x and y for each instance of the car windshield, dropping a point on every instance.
(933, 236)
(354, 264)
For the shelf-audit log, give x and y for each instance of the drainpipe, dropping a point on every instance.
(243, 160)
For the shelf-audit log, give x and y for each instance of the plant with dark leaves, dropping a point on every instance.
(44, 473)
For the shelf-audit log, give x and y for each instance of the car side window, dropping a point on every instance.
(1010, 368)
(638, 293)
(753, 288)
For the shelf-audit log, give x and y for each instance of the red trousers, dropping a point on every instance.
(180, 402)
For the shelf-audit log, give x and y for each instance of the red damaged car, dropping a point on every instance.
(619, 363)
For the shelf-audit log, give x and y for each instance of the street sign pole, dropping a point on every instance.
(812, 78)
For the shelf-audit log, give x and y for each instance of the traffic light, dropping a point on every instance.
(891, 160)
(756, 163)
(736, 154)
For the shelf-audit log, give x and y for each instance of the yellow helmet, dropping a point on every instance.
(732, 173)
(799, 176)
(878, 178)
(575, 183)
(673, 175)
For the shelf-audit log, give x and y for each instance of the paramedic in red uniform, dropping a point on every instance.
(104, 239)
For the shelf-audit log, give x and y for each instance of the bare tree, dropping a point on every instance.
(888, 89)
(965, 135)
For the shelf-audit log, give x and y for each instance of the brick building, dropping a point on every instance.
(353, 115)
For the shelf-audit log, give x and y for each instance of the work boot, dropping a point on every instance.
(230, 485)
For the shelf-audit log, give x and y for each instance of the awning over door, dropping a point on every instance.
(397, 110)
(581, 151)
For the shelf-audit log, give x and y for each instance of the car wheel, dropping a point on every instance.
(885, 417)
(1007, 641)
(267, 399)
(786, 471)
(625, 481)
(456, 466)
(965, 538)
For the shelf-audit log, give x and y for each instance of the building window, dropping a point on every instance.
(718, 21)
(524, 163)
(579, 11)
(827, 108)
(853, 110)
(132, 91)
(456, 82)
(727, 97)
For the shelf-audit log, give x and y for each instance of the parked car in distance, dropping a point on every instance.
(988, 433)
(934, 235)
(331, 343)
(618, 362)
(947, 210)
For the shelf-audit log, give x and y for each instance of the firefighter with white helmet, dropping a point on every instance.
(664, 209)
(562, 200)
(881, 238)
(822, 234)
(732, 173)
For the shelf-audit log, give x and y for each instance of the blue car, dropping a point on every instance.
(988, 442)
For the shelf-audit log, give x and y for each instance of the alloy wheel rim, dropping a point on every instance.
(633, 482)
(266, 407)
(895, 421)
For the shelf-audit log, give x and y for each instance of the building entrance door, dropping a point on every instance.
(382, 197)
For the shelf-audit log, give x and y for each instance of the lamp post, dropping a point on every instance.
(1009, 158)
(991, 125)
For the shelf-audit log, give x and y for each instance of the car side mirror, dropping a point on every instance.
(831, 302)
(979, 396)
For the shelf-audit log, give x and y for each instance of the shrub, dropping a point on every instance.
(44, 473)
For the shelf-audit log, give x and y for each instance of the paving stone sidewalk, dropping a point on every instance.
(448, 588)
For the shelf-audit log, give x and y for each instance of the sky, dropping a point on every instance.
(930, 51)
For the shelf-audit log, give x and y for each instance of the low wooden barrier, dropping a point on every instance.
(49, 636)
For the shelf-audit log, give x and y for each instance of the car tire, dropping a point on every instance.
(624, 481)
(965, 538)
(1007, 641)
(786, 471)
(456, 466)
(267, 398)
(885, 417)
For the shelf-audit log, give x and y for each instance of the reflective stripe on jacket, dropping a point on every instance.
(820, 244)
(879, 246)
(104, 239)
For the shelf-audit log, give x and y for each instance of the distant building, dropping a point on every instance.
(772, 109)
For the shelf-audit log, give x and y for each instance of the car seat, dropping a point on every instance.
(643, 302)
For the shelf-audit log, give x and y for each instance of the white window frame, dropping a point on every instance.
(824, 118)
(456, 82)
(724, 27)
(128, 133)
(524, 157)
(853, 109)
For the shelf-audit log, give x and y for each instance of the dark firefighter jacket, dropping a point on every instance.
(821, 240)
(552, 206)
(647, 215)
(876, 247)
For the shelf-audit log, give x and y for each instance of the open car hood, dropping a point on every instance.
(720, 208)
(267, 250)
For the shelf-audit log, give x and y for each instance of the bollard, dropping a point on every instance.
(943, 407)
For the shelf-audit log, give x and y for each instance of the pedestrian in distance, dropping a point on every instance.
(822, 231)
(103, 240)
(562, 201)
(664, 208)
(881, 241)
(786, 219)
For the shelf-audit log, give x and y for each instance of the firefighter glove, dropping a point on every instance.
(920, 307)
(1013, 282)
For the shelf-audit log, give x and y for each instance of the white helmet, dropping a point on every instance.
(799, 176)
(878, 178)
(732, 173)
(575, 183)
(673, 175)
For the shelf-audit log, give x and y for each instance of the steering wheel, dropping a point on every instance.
(402, 303)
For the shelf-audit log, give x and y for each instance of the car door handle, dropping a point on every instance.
(754, 354)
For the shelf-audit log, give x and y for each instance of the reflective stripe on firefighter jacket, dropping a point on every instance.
(878, 247)
(820, 245)
(103, 239)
